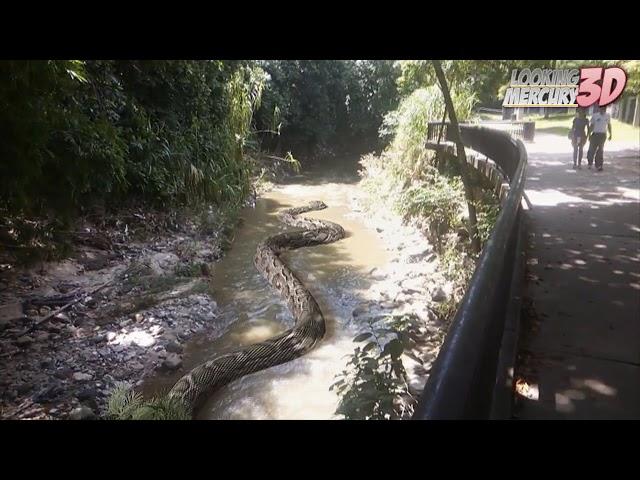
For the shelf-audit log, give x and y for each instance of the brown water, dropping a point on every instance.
(337, 276)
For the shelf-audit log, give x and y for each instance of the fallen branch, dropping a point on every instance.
(64, 307)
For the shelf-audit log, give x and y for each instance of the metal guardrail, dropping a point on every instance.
(525, 131)
(463, 379)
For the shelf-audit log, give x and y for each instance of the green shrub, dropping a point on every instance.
(374, 384)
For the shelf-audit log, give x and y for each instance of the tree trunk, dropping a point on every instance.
(462, 157)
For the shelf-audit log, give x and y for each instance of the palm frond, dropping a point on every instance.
(126, 404)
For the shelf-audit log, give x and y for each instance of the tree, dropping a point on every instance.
(332, 105)
(462, 158)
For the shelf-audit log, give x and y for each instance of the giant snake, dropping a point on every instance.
(200, 383)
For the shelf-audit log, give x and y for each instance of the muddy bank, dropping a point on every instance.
(125, 310)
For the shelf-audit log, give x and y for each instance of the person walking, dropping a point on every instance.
(579, 134)
(600, 124)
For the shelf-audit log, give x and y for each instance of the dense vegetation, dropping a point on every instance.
(326, 107)
(102, 131)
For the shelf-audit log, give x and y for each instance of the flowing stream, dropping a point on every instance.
(250, 311)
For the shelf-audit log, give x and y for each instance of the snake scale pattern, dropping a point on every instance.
(197, 385)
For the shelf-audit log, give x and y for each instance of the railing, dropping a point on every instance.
(525, 131)
(465, 381)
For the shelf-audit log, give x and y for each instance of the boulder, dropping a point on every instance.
(82, 413)
(172, 362)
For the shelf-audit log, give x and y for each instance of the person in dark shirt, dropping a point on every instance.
(579, 134)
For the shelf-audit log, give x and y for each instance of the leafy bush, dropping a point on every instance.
(374, 385)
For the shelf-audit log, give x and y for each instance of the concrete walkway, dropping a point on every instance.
(579, 355)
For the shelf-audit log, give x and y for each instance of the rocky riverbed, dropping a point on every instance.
(413, 283)
(71, 330)
(138, 306)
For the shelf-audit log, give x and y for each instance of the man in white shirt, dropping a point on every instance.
(600, 124)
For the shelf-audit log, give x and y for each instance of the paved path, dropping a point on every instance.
(580, 346)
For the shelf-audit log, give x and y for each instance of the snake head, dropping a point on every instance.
(317, 205)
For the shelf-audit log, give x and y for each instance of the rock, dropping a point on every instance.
(111, 336)
(82, 377)
(360, 310)
(156, 330)
(404, 296)
(438, 295)
(416, 257)
(42, 337)
(423, 312)
(100, 338)
(24, 388)
(162, 263)
(182, 334)
(173, 347)
(24, 341)
(172, 362)
(87, 393)
(46, 363)
(48, 394)
(82, 413)
(379, 230)
(413, 285)
(62, 317)
(136, 366)
(11, 313)
(53, 328)
(62, 373)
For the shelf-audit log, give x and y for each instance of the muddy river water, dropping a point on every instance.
(250, 311)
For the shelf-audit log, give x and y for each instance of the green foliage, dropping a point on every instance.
(488, 209)
(324, 106)
(169, 132)
(374, 384)
(437, 197)
(483, 78)
(407, 175)
(125, 404)
(408, 125)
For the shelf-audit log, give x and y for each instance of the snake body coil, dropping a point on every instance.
(197, 385)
